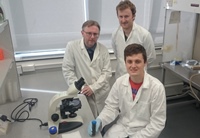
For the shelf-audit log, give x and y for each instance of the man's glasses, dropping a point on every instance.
(90, 34)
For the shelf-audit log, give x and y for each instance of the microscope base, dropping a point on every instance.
(67, 126)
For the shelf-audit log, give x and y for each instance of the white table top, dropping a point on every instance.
(31, 129)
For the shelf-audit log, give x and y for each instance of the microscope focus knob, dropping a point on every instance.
(55, 117)
(53, 130)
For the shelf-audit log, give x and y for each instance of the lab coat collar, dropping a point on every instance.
(122, 32)
(96, 52)
(146, 81)
(84, 49)
(82, 44)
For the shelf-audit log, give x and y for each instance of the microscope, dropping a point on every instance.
(62, 103)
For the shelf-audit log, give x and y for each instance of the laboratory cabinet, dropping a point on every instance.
(180, 39)
(9, 81)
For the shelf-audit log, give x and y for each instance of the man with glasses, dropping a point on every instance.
(89, 59)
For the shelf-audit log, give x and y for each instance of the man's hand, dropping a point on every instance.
(87, 91)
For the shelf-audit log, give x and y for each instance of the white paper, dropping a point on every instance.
(175, 17)
(170, 3)
(3, 127)
(75, 134)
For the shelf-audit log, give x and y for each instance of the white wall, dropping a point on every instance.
(157, 21)
(50, 24)
(45, 24)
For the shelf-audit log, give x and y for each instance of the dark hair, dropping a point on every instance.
(89, 23)
(135, 49)
(126, 4)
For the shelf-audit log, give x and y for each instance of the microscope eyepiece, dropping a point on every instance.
(79, 83)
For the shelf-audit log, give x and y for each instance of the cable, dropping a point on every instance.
(190, 82)
(30, 102)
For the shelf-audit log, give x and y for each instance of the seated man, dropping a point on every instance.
(137, 98)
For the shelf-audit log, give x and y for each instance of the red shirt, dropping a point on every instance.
(135, 87)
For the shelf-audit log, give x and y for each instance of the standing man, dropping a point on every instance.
(127, 33)
(137, 98)
(89, 59)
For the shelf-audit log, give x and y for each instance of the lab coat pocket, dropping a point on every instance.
(143, 110)
(116, 131)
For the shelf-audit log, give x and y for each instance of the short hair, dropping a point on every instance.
(135, 49)
(126, 4)
(89, 23)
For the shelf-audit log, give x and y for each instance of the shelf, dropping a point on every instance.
(5, 66)
(9, 81)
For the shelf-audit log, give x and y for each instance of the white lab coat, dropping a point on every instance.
(77, 64)
(138, 35)
(142, 118)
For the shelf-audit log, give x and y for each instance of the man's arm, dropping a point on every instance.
(111, 108)
(158, 116)
(150, 49)
(68, 66)
(113, 39)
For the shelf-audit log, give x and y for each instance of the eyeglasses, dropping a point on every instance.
(90, 34)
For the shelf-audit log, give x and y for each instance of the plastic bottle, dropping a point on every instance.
(94, 127)
(1, 54)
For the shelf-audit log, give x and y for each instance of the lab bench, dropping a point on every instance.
(31, 129)
(184, 74)
(9, 82)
